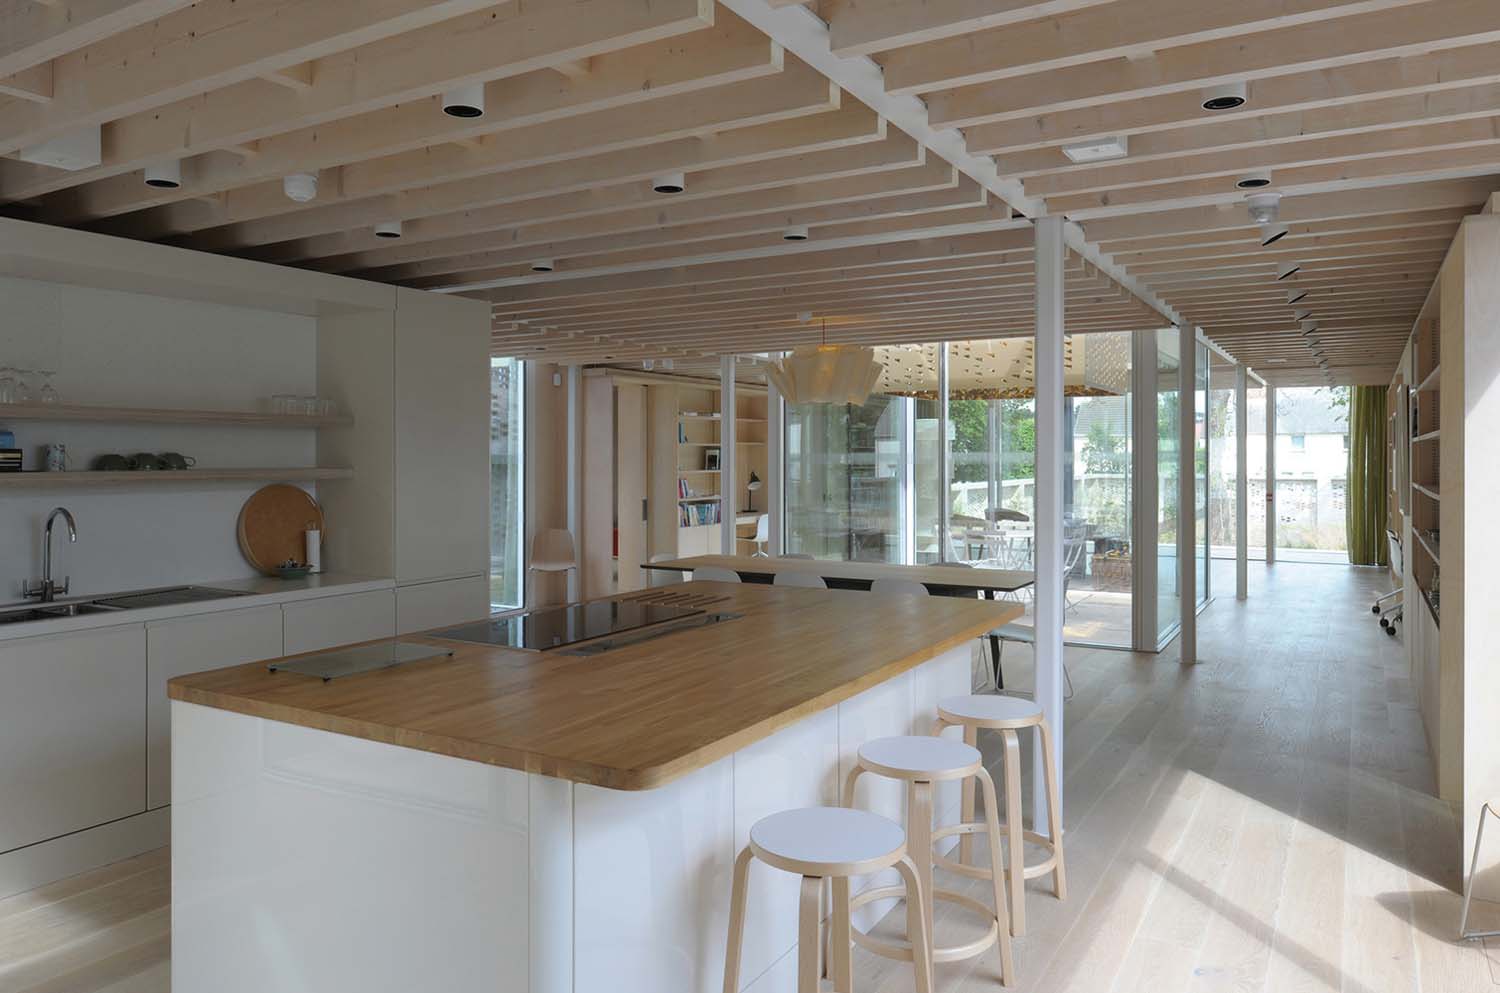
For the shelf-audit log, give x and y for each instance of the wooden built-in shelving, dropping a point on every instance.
(165, 415)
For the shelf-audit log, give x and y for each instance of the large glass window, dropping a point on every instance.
(507, 482)
(1168, 614)
(1312, 470)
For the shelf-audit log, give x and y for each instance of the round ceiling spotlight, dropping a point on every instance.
(669, 182)
(388, 229)
(1287, 270)
(1226, 96)
(165, 175)
(1257, 180)
(1270, 234)
(797, 232)
(464, 101)
(1264, 207)
(300, 186)
(543, 265)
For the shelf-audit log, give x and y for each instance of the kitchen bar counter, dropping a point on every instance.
(630, 718)
(541, 822)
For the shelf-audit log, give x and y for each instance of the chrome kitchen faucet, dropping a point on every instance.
(46, 591)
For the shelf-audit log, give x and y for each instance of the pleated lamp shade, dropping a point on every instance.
(826, 374)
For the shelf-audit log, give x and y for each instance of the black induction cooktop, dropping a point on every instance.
(555, 627)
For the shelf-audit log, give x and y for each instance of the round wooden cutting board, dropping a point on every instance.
(271, 525)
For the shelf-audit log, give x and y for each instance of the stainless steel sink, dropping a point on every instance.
(115, 603)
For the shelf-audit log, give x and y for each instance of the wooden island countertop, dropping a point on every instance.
(633, 717)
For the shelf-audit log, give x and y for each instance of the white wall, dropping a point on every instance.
(133, 350)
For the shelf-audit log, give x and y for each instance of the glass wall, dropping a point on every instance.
(1200, 470)
(1223, 467)
(1312, 473)
(507, 482)
(1168, 614)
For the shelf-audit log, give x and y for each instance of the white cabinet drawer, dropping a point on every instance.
(72, 732)
(186, 645)
(423, 606)
(309, 625)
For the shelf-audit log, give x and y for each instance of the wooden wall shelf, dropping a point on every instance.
(168, 477)
(165, 415)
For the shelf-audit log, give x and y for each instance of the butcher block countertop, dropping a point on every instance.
(633, 717)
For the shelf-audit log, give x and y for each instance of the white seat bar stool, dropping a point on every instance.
(1008, 715)
(1464, 934)
(833, 843)
(920, 761)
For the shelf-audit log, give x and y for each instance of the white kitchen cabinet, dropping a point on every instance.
(72, 732)
(186, 645)
(423, 606)
(442, 436)
(309, 625)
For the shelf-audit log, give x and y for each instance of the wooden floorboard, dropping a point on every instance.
(1263, 821)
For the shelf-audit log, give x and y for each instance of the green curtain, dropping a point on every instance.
(1365, 503)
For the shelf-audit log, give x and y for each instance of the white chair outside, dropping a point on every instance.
(799, 579)
(762, 536)
(713, 574)
(1464, 934)
(898, 587)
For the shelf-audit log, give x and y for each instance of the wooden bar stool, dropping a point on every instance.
(833, 843)
(921, 761)
(1008, 715)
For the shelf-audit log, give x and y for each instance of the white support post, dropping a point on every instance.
(1187, 496)
(1050, 327)
(1270, 474)
(775, 488)
(575, 477)
(945, 460)
(728, 480)
(1241, 483)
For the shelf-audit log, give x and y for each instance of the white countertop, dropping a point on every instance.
(258, 591)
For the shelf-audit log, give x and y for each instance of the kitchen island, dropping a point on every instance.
(507, 820)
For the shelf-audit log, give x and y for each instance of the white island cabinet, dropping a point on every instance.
(72, 724)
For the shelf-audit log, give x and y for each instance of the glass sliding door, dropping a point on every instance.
(1312, 469)
(507, 483)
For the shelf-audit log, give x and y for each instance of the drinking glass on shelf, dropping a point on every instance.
(310, 406)
(48, 393)
(327, 407)
(282, 403)
(23, 386)
(7, 384)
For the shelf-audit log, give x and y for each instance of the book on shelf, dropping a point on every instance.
(691, 515)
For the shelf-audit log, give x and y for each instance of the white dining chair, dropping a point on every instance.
(662, 577)
(552, 551)
(762, 536)
(898, 587)
(799, 579)
(713, 574)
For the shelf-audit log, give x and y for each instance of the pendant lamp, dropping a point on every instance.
(826, 373)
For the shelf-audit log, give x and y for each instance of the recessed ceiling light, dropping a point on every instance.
(1301, 315)
(1226, 96)
(464, 101)
(1098, 150)
(1287, 270)
(300, 187)
(1257, 180)
(165, 175)
(797, 232)
(388, 229)
(1270, 234)
(543, 265)
(1308, 327)
(669, 182)
(1295, 296)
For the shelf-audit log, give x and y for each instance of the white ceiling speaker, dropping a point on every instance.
(165, 175)
(1264, 207)
(388, 229)
(1295, 296)
(464, 101)
(797, 232)
(1225, 96)
(1257, 180)
(1270, 234)
(1098, 150)
(1287, 270)
(300, 186)
(543, 265)
(669, 182)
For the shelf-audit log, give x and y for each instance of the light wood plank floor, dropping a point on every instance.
(1261, 822)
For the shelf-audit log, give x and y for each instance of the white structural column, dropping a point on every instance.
(1187, 496)
(1241, 483)
(1270, 474)
(728, 482)
(774, 504)
(945, 460)
(1049, 501)
(575, 477)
